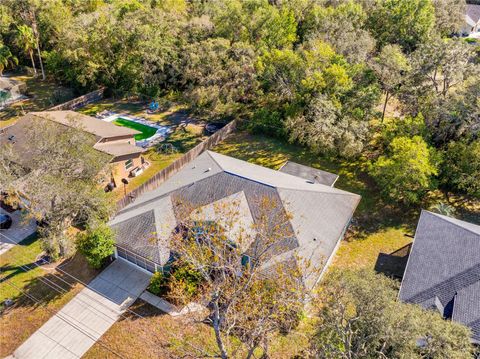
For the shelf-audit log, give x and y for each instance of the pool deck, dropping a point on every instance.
(162, 131)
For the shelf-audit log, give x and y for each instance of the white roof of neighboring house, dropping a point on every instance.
(86, 123)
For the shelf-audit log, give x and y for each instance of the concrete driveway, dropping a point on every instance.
(19, 230)
(82, 321)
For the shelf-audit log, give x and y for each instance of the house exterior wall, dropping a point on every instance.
(120, 169)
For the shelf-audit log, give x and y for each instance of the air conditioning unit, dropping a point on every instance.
(136, 171)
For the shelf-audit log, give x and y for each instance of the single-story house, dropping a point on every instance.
(115, 141)
(443, 270)
(472, 20)
(317, 215)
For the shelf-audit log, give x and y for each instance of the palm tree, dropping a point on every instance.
(6, 58)
(25, 39)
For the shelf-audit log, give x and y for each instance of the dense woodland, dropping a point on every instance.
(386, 81)
(388, 84)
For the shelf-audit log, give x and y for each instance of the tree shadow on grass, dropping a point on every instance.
(15, 270)
(55, 283)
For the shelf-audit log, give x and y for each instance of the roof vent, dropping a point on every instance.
(314, 239)
(208, 169)
(310, 181)
(10, 138)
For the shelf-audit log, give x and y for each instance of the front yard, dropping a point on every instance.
(158, 335)
(30, 288)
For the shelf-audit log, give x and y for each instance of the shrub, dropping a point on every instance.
(461, 169)
(267, 122)
(183, 282)
(186, 279)
(96, 244)
(158, 284)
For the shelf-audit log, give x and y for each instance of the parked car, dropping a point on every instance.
(5, 221)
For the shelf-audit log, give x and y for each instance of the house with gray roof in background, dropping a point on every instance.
(443, 270)
(317, 214)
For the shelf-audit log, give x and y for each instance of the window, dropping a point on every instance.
(128, 164)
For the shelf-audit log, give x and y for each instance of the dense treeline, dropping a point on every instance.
(382, 80)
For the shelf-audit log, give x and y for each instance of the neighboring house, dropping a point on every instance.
(443, 269)
(317, 215)
(116, 141)
(472, 20)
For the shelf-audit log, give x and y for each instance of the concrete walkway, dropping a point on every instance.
(82, 321)
(19, 230)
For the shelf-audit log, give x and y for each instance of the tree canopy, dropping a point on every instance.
(359, 317)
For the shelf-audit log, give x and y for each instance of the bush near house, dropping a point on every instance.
(183, 281)
(96, 244)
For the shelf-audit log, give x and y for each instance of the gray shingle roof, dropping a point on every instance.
(315, 215)
(309, 173)
(473, 12)
(444, 266)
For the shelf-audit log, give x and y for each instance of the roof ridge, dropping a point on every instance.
(278, 173)
(338, 192)
(213, 159)
(455, 221)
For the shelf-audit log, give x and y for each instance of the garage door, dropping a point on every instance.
(137, 260)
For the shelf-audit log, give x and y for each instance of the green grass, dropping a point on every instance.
(12, 263)
(134, 108)
(158, 161)
(27, 314)
(146, 131)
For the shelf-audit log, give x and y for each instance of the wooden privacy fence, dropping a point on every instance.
(176, 166)
(80, 101)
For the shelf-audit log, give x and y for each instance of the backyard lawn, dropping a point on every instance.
(20, 274)
(146, 131)
(41, 95)
(377, 226)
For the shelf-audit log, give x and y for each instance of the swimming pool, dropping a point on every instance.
(151, 132)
